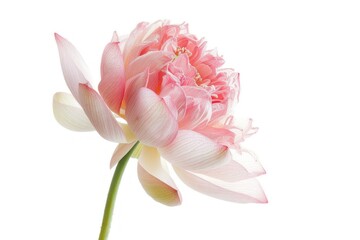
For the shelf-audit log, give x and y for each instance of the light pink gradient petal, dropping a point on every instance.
(220, 135)
(69, 113)
(155, 178)
(115, 37)
(121, 150)
(243, 165)
(249, 161)
(230, 172)
(193, 151)
(73, 66)
(112, 83)
(245, 191)
(134, 43)
(150, 119)
(198, 108)
(154, 60)
(133, 84)
(100, 115)
(174, 95)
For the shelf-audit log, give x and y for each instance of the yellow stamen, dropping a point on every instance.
(181, 50)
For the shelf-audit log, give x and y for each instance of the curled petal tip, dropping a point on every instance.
(58, 37)
(115, 37)
(263, 199)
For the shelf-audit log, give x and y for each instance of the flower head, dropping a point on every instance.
(176, 100)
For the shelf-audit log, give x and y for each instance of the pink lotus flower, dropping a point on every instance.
(161, 87)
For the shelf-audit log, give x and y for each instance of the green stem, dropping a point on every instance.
(110, 202)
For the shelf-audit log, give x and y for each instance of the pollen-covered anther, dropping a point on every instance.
(198, 79)
(182, 50)
(214, 95)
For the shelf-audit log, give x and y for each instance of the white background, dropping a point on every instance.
(299, 63)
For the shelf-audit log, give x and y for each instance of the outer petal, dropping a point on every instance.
(193, 151)
(245, 191)
(100, 115)
(133, 84)
(69, 113)
(243, 166)
(230, 172)
(112, 83)
(134, 44)
(220, 135)
(139, 40)
(155, 179)
(249, 161)
(150, 119)
(121, 150)
(73, 66)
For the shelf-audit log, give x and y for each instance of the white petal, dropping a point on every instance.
(245, 191)
(230, 172)
(250, 162)
(155, 178)
(121, 150)
(242, 166)
(73, 66)
(69, 113)
(193, 151)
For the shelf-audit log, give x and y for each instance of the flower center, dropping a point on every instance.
(181, 50)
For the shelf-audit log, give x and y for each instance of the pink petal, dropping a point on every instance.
(133, 45)
(204, 70)
(100, 115)
(141, 38)
(198, 108)
(73, 66)
(193, 151)
(154, 60)
(112, 83)
(245, 191)
(69, 113)
(150, 119)
(219, 112)
(121, 150)
(155, 178)
(220, 135)
(133, 84)
(175, 94)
